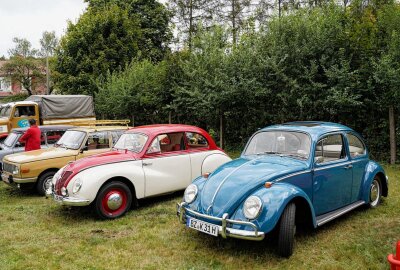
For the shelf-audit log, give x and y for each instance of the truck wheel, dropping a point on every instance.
(44, 182)
(113, 200)
(375, 192)
(287, 230)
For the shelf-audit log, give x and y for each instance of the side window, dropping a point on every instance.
(98, 140)
(330, 148)
(24, 111)
(167, 143)
(356, 146)
(196, 140)
(54, 136)
(42, 139)
(115, 134)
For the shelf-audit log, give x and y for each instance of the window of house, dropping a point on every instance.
(196, 140)
(24, 111)
(167, 143)
(330, 148)
(356, 146)
(98, 140)
(54, 136)
(5, 84)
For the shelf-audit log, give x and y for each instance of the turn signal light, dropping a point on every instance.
(206, 175)
(268, 184)
(25, 170)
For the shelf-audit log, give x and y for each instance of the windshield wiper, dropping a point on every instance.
(267, 153)
(294, 155)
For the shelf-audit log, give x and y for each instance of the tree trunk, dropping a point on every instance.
(221, 130)
(170, 117)
(190, 24)
(133, 120)
(47, 76)
(233, 23)
(392, 135)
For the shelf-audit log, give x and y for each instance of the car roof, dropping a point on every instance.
(314, 128)
(45, 128)
(166, 128)
(99, 128)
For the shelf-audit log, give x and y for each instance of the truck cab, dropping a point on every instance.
(17, 115)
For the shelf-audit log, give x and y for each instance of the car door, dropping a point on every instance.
(199, 149)
(359, 158)
(332, 175)
(96, 143)
(166, 164)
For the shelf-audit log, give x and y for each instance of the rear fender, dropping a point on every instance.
(371, 170)
(275, 199)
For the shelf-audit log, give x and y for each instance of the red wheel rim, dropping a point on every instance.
(114, 202)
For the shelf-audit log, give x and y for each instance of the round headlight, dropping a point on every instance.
(190, 193)
(64, 191)
(252, 207)
(77, 185)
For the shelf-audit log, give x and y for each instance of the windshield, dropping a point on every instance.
(132, 142)
(72, 139)
(5, 111)
(288, 143)
(11, 139)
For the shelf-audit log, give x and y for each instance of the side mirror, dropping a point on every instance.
(319, 160)
(85, 148)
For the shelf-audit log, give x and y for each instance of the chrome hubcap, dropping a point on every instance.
(47, 183)
(374, 193)
(114, 201)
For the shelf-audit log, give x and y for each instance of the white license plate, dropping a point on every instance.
(5, 178)
(202, 226)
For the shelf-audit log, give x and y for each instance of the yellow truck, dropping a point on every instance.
(77, 110)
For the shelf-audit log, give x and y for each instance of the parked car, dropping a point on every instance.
(147, 161)
(12, 145)
(37, 168)
(289, 174)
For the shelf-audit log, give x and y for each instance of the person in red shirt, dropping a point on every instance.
(31, 137)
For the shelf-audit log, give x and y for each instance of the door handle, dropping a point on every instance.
(348, 166)
(147, 163)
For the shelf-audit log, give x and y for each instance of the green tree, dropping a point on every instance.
(22, 66)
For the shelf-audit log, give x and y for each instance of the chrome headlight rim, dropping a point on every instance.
(190, 193)
(76, 187)
(252, 201)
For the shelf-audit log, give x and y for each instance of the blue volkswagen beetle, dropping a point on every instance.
(288, 174)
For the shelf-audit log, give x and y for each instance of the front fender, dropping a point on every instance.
(371, 170)
(93, 178)
(275, 199)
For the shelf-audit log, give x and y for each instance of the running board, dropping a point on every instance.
(322, 219)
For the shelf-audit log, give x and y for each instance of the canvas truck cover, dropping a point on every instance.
(64, 106)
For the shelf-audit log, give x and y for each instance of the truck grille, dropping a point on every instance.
(10, 168)
(60, 182)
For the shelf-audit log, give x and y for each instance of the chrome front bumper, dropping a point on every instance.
(223, 230)
(10, 179)
(69, 201)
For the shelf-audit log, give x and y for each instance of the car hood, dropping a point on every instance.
(100, 159)
(42, 154)
(234, 181)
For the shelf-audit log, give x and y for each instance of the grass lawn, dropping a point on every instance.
(36, 233)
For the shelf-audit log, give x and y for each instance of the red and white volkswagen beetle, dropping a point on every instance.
(146, 161)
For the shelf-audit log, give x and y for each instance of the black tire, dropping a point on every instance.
(43, 181)
(122, 195)
(287, 230)
(375, 192)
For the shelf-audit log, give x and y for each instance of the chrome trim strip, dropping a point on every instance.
(226, 178)
(338, 214)
(24, 180)
(223, 230)
(332, 166)
(290, 175)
